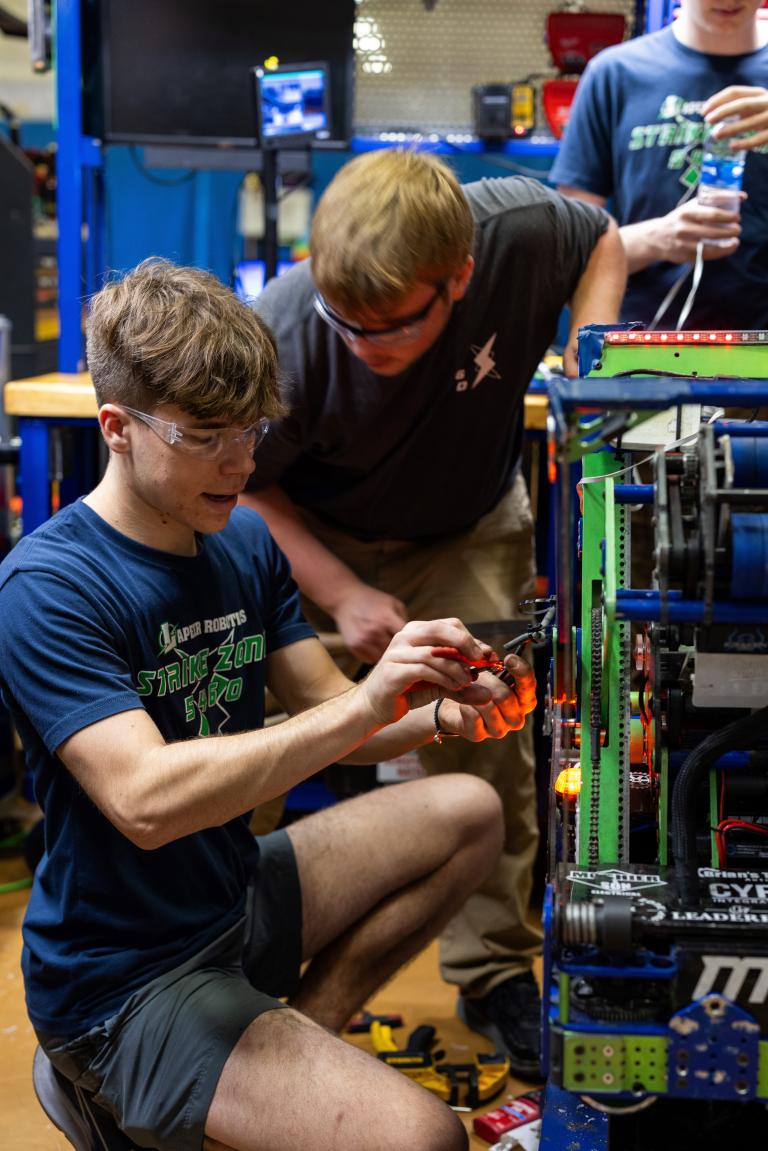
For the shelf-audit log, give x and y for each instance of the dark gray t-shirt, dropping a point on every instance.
(428, 452)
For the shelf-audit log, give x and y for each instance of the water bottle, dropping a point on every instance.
(722, 171)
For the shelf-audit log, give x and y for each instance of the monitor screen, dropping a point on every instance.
(180, 71)
(250, 274)
(292, 103)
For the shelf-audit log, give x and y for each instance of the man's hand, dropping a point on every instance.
(747, 107)
(681, 230)
(509, 704)
(367, 619)
(571, 356)
(410, 674)
(675, 237)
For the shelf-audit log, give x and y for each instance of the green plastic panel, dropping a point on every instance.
(602, 814)
(739, 360)
(762, 1070)
(610, 1064)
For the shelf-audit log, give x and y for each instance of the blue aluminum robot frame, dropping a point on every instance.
(657, 975)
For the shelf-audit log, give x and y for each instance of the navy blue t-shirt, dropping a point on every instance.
(635, 136)
(94, 624)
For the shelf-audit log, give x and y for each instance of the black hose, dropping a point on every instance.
(742, 733)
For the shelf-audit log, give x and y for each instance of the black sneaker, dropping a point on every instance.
(510, 1016)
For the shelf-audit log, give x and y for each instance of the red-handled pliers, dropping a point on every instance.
(476, 665)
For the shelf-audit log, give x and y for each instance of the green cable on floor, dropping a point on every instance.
(13, 840)
(7, 844)
(15, 885)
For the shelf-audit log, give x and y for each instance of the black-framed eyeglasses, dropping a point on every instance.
(205, 443)
(405, 331)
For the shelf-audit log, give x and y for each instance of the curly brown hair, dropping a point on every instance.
(165, 334)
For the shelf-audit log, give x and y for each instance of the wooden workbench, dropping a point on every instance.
(55, 395)
(43, 402)
(59, 394)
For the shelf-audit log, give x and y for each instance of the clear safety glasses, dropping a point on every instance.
(205, 443)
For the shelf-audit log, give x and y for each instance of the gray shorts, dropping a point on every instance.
(155, 1065)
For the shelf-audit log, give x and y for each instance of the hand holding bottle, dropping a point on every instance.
(722, 170)
(739, 112)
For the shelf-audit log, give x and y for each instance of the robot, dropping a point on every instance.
(656, 913)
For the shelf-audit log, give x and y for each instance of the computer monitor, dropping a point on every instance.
(250, 275)
(194, 85)
(292, 104)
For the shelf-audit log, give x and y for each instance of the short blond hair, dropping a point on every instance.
(388, 220)
(165, 334)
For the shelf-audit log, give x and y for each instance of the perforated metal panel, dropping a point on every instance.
(418, 59)
(614, 1063)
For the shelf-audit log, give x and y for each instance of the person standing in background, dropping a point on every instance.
(393, 485)
(641, 113)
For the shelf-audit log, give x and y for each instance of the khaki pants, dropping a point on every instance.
(479, 576)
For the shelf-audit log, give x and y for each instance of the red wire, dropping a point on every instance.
(720, 844)
(727, 825)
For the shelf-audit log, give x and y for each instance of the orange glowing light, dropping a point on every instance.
(551, 459)
(568, 782)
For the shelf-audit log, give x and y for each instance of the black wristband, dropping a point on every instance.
(440, 735)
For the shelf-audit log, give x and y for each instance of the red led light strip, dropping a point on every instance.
(638, 338)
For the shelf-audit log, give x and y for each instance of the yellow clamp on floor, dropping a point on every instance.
(484, 1076)
(417, 1065)
(382, 1037)
(421, 1068)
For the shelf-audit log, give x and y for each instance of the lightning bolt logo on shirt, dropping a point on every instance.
(484, 363)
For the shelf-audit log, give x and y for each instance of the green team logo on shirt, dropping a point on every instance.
(211, 677)
(681, 129)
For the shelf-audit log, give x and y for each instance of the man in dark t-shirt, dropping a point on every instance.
(393, 484)
(642, 112)
(141, 626)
